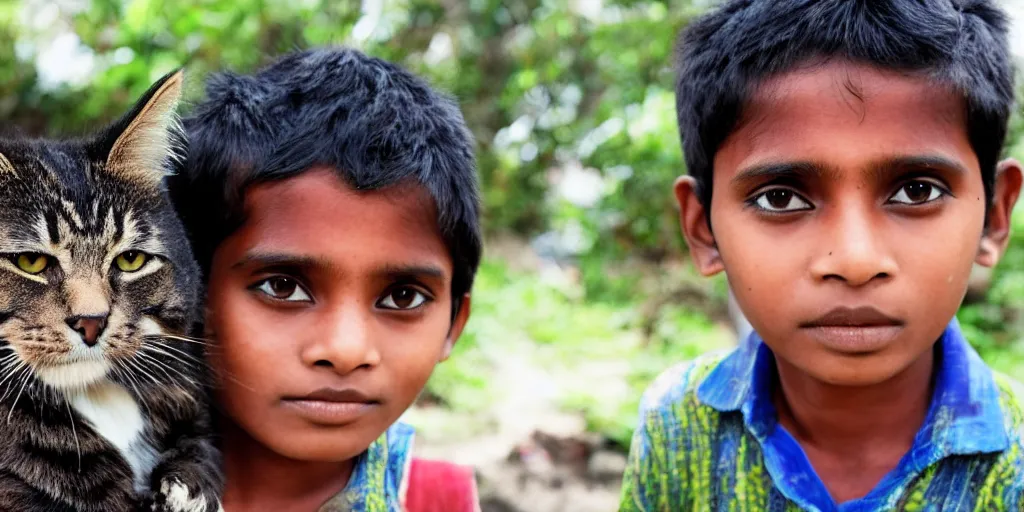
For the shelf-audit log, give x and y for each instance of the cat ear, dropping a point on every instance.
(148, 135)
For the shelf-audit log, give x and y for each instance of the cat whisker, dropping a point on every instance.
(190, 360)
(16, 370)
(188, 339)
(166, 342)
(78, 448)
(123, 370)
(142, 371)
(11, 386)
(28, 376)
(165, 368)
(160, 365)
(239, 382)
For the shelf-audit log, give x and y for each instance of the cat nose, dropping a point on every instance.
(90, 327)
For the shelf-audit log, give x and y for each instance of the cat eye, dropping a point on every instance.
(403, 298)
(131, 261)
(31, 262)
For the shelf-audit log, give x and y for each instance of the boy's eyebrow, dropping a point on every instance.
(783, 170)
(269, 259)
(400, 271)
(394, 272)
(898, 163)
(881, 168)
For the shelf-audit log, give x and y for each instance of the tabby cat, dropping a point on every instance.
(102, 391)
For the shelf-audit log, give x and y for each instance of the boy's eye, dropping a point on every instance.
(283, 288)
(917, 192)
(780, 200)
(403, 298)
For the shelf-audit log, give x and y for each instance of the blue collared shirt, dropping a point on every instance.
(709, 439)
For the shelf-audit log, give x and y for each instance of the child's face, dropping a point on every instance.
(847, 211)
(329, 309)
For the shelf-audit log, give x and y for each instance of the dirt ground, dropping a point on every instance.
(557, 467)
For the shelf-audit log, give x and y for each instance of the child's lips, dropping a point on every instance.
(855, 339)
(854, 330)
(330, 413)
(333, 407)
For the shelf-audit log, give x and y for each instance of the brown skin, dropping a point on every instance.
(863, 224)
(323, 287)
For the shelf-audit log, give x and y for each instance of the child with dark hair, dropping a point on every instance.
(844, 172)
(332, 202)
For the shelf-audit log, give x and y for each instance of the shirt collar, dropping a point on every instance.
(964, 416)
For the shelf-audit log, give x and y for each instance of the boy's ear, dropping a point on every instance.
(140, 143)
(458, 324)
(1004, 196)
(696, 230)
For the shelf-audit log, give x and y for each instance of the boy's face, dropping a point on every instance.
(329, 308)
(847, 212)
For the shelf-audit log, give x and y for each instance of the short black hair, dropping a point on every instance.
(724, 55)
(371, 121)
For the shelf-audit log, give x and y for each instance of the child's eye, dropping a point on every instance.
(917, 192)
(403, 298)
(283, 288)
(780, 200)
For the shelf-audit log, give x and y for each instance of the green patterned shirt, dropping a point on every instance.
(379, 477)
(708, 440)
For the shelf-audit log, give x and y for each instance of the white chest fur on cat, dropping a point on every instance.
(113, 413)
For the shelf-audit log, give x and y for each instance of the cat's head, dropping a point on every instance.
(94, 262)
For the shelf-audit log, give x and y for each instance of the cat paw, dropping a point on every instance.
(174, 496)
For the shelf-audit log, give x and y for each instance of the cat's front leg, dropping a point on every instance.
(188, 476)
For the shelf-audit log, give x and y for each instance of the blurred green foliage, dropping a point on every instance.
(571, 103)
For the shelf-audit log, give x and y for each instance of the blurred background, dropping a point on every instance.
(585, 293)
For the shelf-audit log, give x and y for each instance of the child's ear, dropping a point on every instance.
(696, 230)
(1004, 197)
(458, 324)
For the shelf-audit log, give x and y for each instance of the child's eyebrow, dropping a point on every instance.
(793, 170)
(882, 168)
(266, 259)
(389, 272)
(396, 272)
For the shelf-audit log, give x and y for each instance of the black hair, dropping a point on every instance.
(371, 121)
(724, 55)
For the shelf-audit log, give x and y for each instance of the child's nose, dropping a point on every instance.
(854, 251)
(342, 342)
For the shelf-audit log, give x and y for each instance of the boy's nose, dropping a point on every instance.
(854, 252)
(343, 344)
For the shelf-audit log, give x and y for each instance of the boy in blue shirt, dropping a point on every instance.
(844, 172)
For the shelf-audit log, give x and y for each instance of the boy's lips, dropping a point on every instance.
(331, 406)
(854, 330)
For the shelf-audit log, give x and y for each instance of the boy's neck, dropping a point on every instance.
(259, 479)
(823, 413)
(862, 429)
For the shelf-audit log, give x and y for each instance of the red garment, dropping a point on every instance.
(437, 486)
